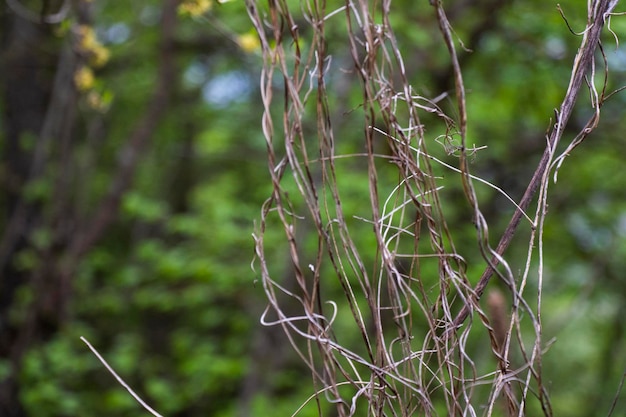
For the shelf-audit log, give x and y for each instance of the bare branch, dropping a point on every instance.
(119, 379)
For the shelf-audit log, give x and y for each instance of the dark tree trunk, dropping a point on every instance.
(29, 55)
(39, 123)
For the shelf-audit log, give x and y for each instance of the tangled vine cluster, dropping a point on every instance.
(406, 291)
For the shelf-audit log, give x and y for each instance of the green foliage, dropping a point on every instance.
(53, 376)
(168, 296)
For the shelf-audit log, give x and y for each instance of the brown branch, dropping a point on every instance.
(138, 141)
(582, 62)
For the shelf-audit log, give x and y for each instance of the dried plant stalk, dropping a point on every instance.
(398, 368)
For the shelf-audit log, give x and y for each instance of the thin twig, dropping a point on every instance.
(616, 397)
(119, 379)
(583, 60)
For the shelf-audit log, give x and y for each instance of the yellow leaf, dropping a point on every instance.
(84, 79)
(194, 8)
(248, 42)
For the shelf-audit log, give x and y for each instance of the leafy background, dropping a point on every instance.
(167, 293)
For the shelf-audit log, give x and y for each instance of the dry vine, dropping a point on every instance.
(397, 369)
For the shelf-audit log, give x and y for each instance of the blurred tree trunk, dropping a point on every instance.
(39, 167)
(30, 54)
